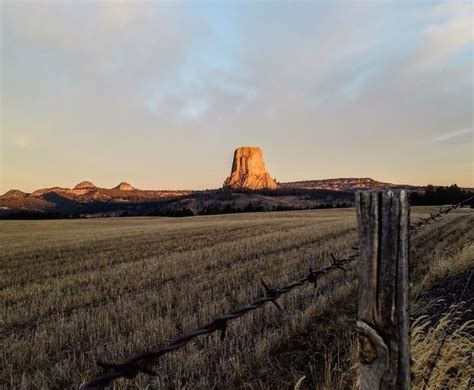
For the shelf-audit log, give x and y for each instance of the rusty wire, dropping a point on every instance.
(434, 217)
(137, 364)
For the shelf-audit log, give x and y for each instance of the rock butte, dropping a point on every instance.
(84, 184)
(248, 170)
(123, 186)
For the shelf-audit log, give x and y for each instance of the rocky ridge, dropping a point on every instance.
(350, 184)
(82, 198)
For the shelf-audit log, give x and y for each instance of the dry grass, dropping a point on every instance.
(73, 291)
(447, 345)
(445, 265)
(454, 366)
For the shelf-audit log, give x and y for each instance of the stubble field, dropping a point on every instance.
(74, 291)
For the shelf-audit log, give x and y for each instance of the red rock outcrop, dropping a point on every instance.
(84, 184)
(248, 170)
(13, 194)
(43, 191)
(123, 186)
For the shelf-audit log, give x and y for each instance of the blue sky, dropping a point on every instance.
(161, 93)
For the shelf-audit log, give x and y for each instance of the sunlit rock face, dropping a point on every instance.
(13, 194)
(248, 170)
(84, 185)
(123, 186)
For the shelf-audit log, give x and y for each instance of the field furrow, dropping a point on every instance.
(75, 291)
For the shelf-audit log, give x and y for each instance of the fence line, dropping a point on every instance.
(135, 365)
(434, 217)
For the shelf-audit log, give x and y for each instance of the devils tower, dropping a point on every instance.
(248, 170)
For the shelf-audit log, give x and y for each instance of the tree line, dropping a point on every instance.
(442, 195)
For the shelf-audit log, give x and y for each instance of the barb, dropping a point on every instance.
(137, 364)
(432, 362)
(434, 217)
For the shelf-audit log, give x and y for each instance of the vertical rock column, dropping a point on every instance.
(248, 170)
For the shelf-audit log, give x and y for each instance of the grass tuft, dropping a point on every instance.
(443, 353)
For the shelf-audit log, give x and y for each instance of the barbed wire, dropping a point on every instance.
(137, 364)
(434, 358)
(434, 217)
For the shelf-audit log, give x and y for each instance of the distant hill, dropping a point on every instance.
(14, 194)
(84, 198)
(350, 184)
(88, 200)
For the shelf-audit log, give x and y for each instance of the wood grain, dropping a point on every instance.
(383, 324)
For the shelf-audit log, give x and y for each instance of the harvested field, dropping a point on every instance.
(73, 291)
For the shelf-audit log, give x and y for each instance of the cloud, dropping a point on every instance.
(453, 135)
(100, 43)
(448, 30)
(154, 81)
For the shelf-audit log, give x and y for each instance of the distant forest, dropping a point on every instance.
(442, 195)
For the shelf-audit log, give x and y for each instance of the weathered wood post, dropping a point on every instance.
(384, 324)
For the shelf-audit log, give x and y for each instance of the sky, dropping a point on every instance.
(160, 94)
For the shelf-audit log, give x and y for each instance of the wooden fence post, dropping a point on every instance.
(384, 323)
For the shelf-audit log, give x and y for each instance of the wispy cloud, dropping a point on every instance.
(163, 80)
(453, 134)
(450, 31)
